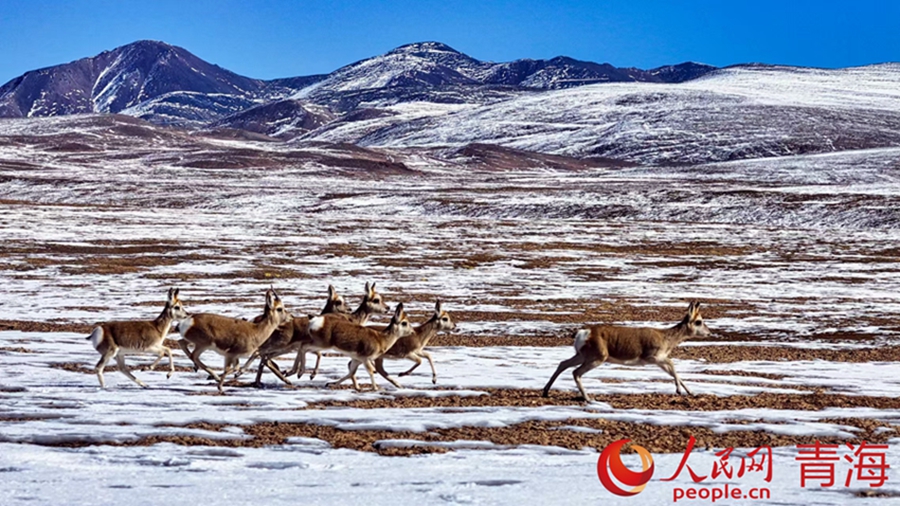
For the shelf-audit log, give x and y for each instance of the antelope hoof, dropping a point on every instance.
(434, 380)
(256, 384)
(169, 375)
(142, 384)
(402, 374)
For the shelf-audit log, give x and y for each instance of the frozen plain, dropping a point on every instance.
(794, 253)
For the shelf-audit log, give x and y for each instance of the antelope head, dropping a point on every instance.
(374, 302)
(694, 323)
(275, 310)
(174, 308)
(336, 302)
(400, 322)
(444, 322)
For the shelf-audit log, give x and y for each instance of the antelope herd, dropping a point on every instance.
(276, 332)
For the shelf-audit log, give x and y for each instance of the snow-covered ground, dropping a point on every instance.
(63, 407)
(312, 474)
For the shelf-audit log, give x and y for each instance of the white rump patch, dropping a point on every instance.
(96, 337)
(185, 325)
(316, 324)
(581, 337)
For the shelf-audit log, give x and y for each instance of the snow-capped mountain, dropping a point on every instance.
(429, 95)
(438, 73)
(432, 64)
(168, 85)
(124, 78)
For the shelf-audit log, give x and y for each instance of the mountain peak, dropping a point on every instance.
(424, 47)
(146, 46)
(115, 80)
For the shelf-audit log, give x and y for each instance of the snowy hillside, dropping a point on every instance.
(281, 118)
(736, 113)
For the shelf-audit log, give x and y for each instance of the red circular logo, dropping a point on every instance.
(610, 462)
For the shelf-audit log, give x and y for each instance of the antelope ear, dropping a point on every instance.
(368, 288)
(330, 291)
(177, 291)
(270, 299)
(693, 310)
(398, 313)
(170, 295)
(437, 308)
(373, 288)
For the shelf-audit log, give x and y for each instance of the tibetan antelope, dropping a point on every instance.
(288, 337)
(362, 344)
(412, 347)
(117, 339)
(372, 303)
(631, 346)
(282, 339)
(231, 337)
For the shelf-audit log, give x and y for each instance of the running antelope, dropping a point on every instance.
(372, 303)
(362, 344)
(412, 347)
(117, 339)
(289, 336)
(231, 337)
(631, 346)
(282, 338)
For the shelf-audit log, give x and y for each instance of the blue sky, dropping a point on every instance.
(279, 38)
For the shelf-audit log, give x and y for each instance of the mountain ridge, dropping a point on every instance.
(428, 95)
(159, 82)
